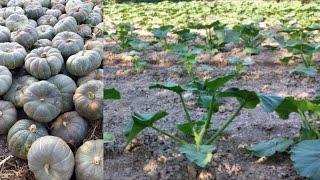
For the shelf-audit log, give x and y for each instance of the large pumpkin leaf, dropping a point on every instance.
(201, 156)
(270, 102)
(111, 94)
(214, 85)
(306, 158)
(268, 148)
(249, 98)
(171, 86)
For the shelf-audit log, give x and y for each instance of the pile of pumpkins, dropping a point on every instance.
(51, 52)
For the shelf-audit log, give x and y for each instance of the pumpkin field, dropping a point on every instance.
(51, 104)
(222, 89)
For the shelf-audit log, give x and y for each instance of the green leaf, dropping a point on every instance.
(187, 128)
(111, 94)
(201, 156)
(108, 137)
(306, 158)
(286, 59)
(308, 71)
(140, 122)
(214, 85)
(171, 86)
(269, 148)
(269, 102)
(314, 27)
(249, 98)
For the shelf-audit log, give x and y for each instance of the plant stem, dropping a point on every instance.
(208, 121)
(230, 120)
(185, 109)
(181, 141)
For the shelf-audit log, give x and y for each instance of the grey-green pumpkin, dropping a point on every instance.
(16, 3)
(6, 12)
(12, 55)
(16, 21)
(42, 101)
(67, 87)
(65, 24)
(44, 62)
(88, 100)
(51, 158)
(17, 89)
(47, 20)
(8, 116)
(45, 32)
(70, 127)
(54, 2)
(94, 19)
(89, 160)
(5, 80)
(54, 12)
(79, 13)
(94, 75)
(22, 135)
(42, 43)
(84, 62)
(32, 23)
(25, 37)
(59, 7)
(34, 11)
(4, 34)
(69, 43)
(84, 30)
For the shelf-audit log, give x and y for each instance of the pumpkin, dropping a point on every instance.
(84, 30)
(88, 100)
(67, 87)
(17, 89)
(42, 101)
(4, 34)
(12, 55)
(45, 32)
(5, 80)
(6, 12)
(45, 3)
(69, 43)
(59, 7)
(94, 75)
(64, 16)
(3, 2)
(21, 136)
(8, 116)
(44, 62)
(70, 127)
(98, 30)
(54, 12)
(79, 13)
(89, 160)
(94, 19)
(25, 37)
(16, 3)
(51, 158)
(34, 11)
(72, 4)
(16, 21)
(47, 20)
(32, 23)
(97, 9)
(2, 22)
(84, 62)
(54, 2)
(65, 24)
(42, 43)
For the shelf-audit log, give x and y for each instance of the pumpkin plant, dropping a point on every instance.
(210, 93)
(161, 34)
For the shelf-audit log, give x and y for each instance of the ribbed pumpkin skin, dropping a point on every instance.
(66, 24)
(47, 20)
(88, 100)
(54, 2)
(6, 12)
(84, 30)
(25, 37)
(67, 88)
(59, 7)
(34, 11)
(13, 3)
(44, 62)
(5, 80)
(94, 75)
(42, 101)
(51, 158)
(16, 21)
(45, 32)
(69, 43)
(70, 127)
(12, 55)
(21, 136)
(98, 30)
(79, 13)
(17, 89)
(4, 34)
(8, 116)
(42, 43)
(89, 161)
(83, 62)
(54, 12)
(94, 19)
(32, 23)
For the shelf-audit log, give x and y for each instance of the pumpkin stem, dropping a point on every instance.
(91, 96)
(41, 99)
(46, 168)
(1, 113)
(43, 55)
(64, 123)
(96, 160)
(33, 128)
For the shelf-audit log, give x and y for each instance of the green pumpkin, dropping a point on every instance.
(70, 127)
(84, 62)
(94, 19)
(8, 116)
(12, 55)
(6, 12)
(45, 32)
(25, 37)
(44, 62)
(42, 43)
(94, 75)
(51, 158)
(67, 88)
(4, 34)
(54, 12)
(69, 43)
(22, 135)
(47, 20)
(42, 101)
(79, 13)
(5, 80)
(84, 30)
(16, 21)
(34, 11)
(88, 100)
(17, 89)
(65, 24)
(72, 4)
(89, 160)
(16, 3)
